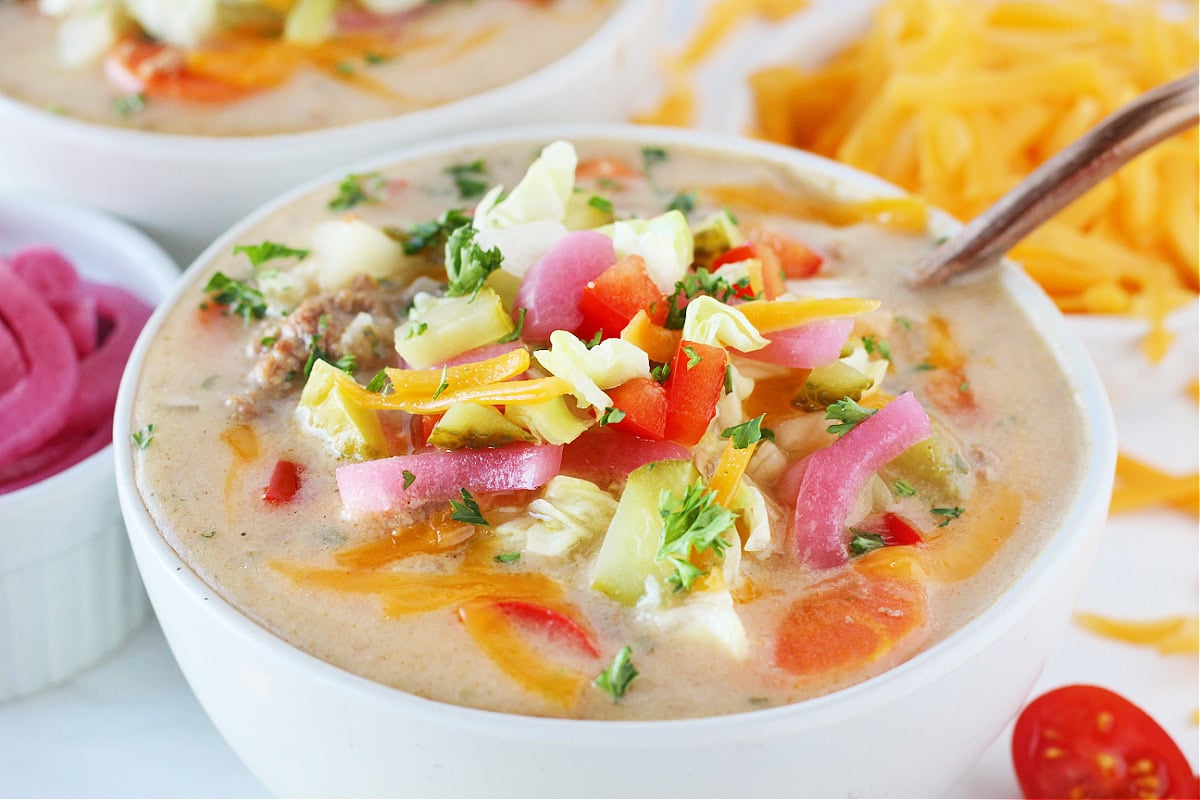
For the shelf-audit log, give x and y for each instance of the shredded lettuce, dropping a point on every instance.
(709, 321)
(707, 616)
(529, 220)
(873, 369)
(608, 364)
(343, 248)
(665, 242)
(570, 512)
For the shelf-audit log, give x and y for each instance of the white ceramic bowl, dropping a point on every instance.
(307, 728)
(69, 591)
(186, 190)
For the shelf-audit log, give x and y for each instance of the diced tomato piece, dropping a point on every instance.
(160, 71)
(284, 483)
(644, 402)
(419, 426)
(693, 389)
(617, 295)
(898, 531)
(735, 254)
(796, 259)
(555, 624)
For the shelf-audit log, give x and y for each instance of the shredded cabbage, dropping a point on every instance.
(709, 321)
(571, 511)
(665, 242)
(706, 615)
(608, 364)
(344, 248)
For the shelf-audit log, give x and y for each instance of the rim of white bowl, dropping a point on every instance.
(1082, 520)
(441, 117)
(89, 228)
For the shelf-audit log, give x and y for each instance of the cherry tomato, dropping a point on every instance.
(1085, 741)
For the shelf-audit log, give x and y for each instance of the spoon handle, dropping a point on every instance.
(1137, 126)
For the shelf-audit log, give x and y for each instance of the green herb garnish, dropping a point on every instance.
(443, 386)
(130, 104)
(237, 296)
(904, 488)
(468, 510)
(595, 340)
(611, 416)
(728, 378)
(693, 521)
(508, 558)
(849, 413)
(468, 264)
(661, 373)
(652, 156)
(693, 356)
(515, 333)
(470, 178)
(684, 201)
(702, 282)
(415, 329)
(432, 233)
(263, 252)
(948, 513)
(408, 478)
(144, 437)
(620, 673)
(923, 367)
(354, 190)
(871, 345)
(748, 432)
(602, 204)
(380, 382)
(864, 542)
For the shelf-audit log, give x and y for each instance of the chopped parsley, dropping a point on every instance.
(130, 104)
(871, 345)
(344, 68)
(379, 383)
(684, 201)
(237, 296)
(923, 367)
(948, 513)
(693, 356)
(515, 333)
(508, 558)
(595, 340)
(693, 521)
(602, 204)
(408, 478)
(702, 282)
(965, 386)
(848, 413)
(611, 416)
(470, 178)
(268, 341)
(347, 363)
(359, 189)
(904, 322)
(620, 673)
(374, 59)
(432, 233)
(904, 488)
(442, 386)
(468, 510)
(263, 252)
(728, 378)
(748, 433)
(415, 329)
(661, 373)
(864, 542)
(144, 437)
(468, 264)
(652, 156)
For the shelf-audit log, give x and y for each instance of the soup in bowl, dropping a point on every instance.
(183, 116)
(647, 453)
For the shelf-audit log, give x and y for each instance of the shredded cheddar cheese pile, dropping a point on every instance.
(958, 101)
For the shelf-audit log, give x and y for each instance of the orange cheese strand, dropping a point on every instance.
(727, 478)
(957, 554)
(776, 315)
(1168, 635)
(417, 383)
(903, 213)
(723, 17)
(1140, 486)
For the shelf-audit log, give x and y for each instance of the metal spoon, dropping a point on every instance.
(1137, 126)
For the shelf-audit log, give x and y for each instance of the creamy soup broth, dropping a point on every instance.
(449, 51)
(1023, 439)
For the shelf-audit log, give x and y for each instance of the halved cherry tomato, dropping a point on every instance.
(693, 389)
(284, 483)
(617, 295)
(1085, 741)
(644, 403)
(555, 624)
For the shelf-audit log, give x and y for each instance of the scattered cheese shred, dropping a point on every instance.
(1169, 635)
(1140, 486)
(959, 101)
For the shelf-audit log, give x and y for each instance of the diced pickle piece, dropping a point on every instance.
(629, 553)
(324, 409)
(712, 237)
(936, 467)
(551, 420)
(829, 383)
(443, 327)
(474, 426)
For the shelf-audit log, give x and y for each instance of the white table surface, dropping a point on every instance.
(130, 727)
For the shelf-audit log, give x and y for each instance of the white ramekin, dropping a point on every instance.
(69, 590)
(186, 190)
(307, 728)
